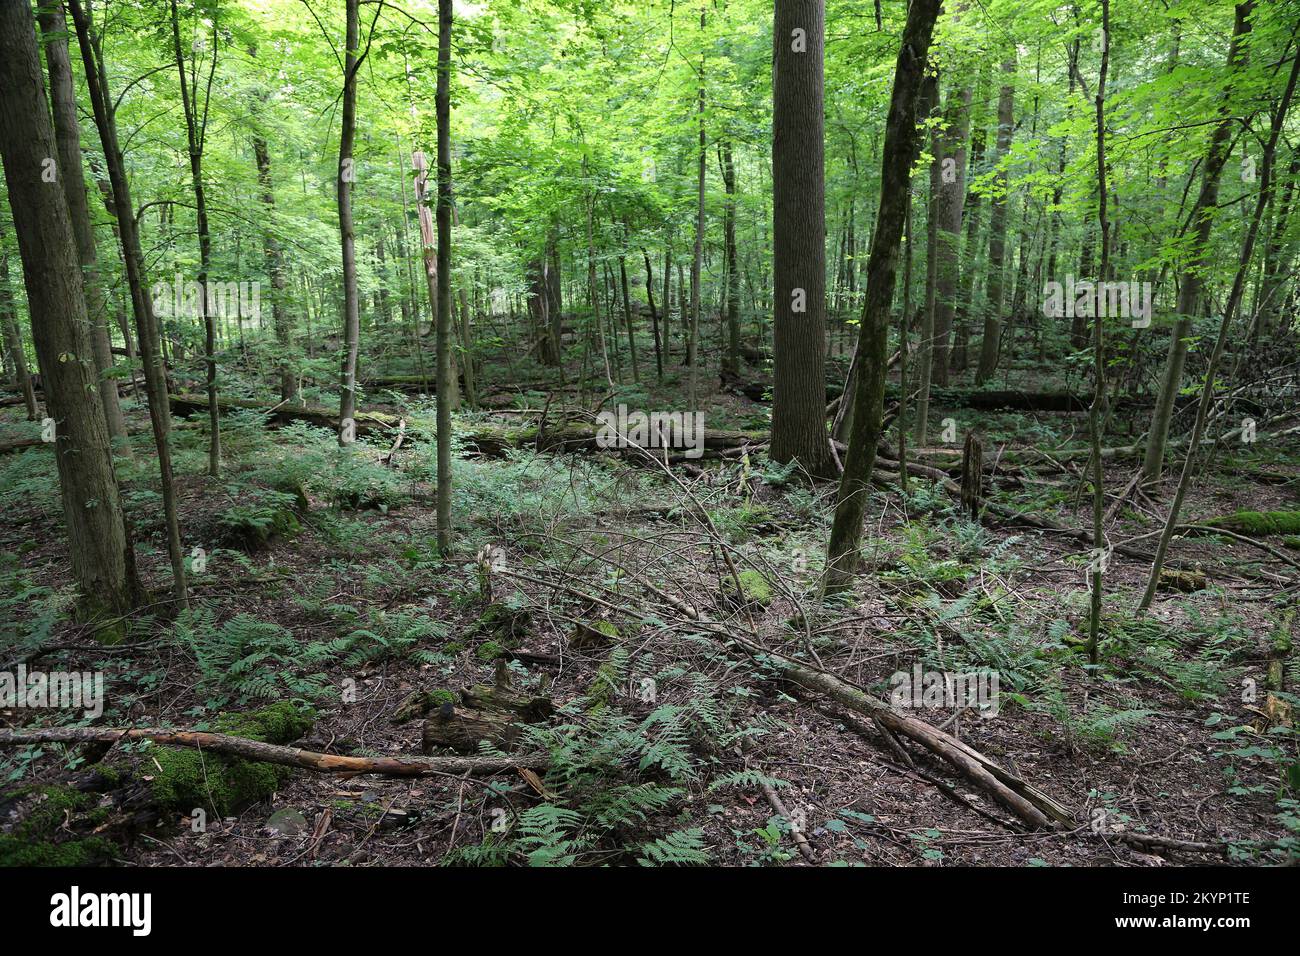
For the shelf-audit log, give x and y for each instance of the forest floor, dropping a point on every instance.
(341, 600)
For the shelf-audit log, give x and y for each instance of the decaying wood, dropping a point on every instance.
(461, 728)
(276, 754)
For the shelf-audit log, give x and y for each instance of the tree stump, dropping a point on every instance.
(461, 728)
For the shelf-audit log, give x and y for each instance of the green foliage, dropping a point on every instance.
(245, 659)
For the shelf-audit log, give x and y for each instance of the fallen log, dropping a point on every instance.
(367, 422)
(277, 754)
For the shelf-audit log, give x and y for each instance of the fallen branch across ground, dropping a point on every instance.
(274, 753)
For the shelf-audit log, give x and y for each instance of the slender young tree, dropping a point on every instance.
(1229, 313)
(898, 156)
(196, 128)
(354, 56)
(442, 109)
(103, 561)
(1192, 282)
(147, 331)
(1097, 410)
(799, 239)
(989, 347)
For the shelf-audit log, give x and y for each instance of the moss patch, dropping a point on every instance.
(1259, 523)
(33, 841)
(754, 588)
(189, 778)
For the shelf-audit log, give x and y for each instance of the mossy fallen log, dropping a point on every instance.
(367, 422)
(1259, 524)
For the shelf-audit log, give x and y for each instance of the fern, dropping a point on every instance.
(679, 848)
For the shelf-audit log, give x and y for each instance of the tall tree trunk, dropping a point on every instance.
(346, 177)
(697, 260)
(593, 290)
(147, 332)
(899, 153)
(952, 199)
(1270, 292)
(1097, 410)
(1191, 282)
(442, 109)
(627, 313)
(929, 99)
(971, 247)
(654, 316)
(731, 357)
(798, 239)
(67, 136)
(103, 561)
(998, 229)
(195, 132)
(274, 257)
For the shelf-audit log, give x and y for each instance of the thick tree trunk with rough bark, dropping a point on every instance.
(346, 177)
(103, 562)
(798, 238)
(67, 136)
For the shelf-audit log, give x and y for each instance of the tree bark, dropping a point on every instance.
(442, 109)
(731, 356)
(799, 239)
(346, 177)
(14, 350)
(195, 132)
(998, 229)
(900, 150)
(103, 561)
(147, 331)
(952, 200)
(67, 136)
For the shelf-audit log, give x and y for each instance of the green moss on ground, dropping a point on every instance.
(754, 588)
(36, 840)
(183, 780)
(1258, 524)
